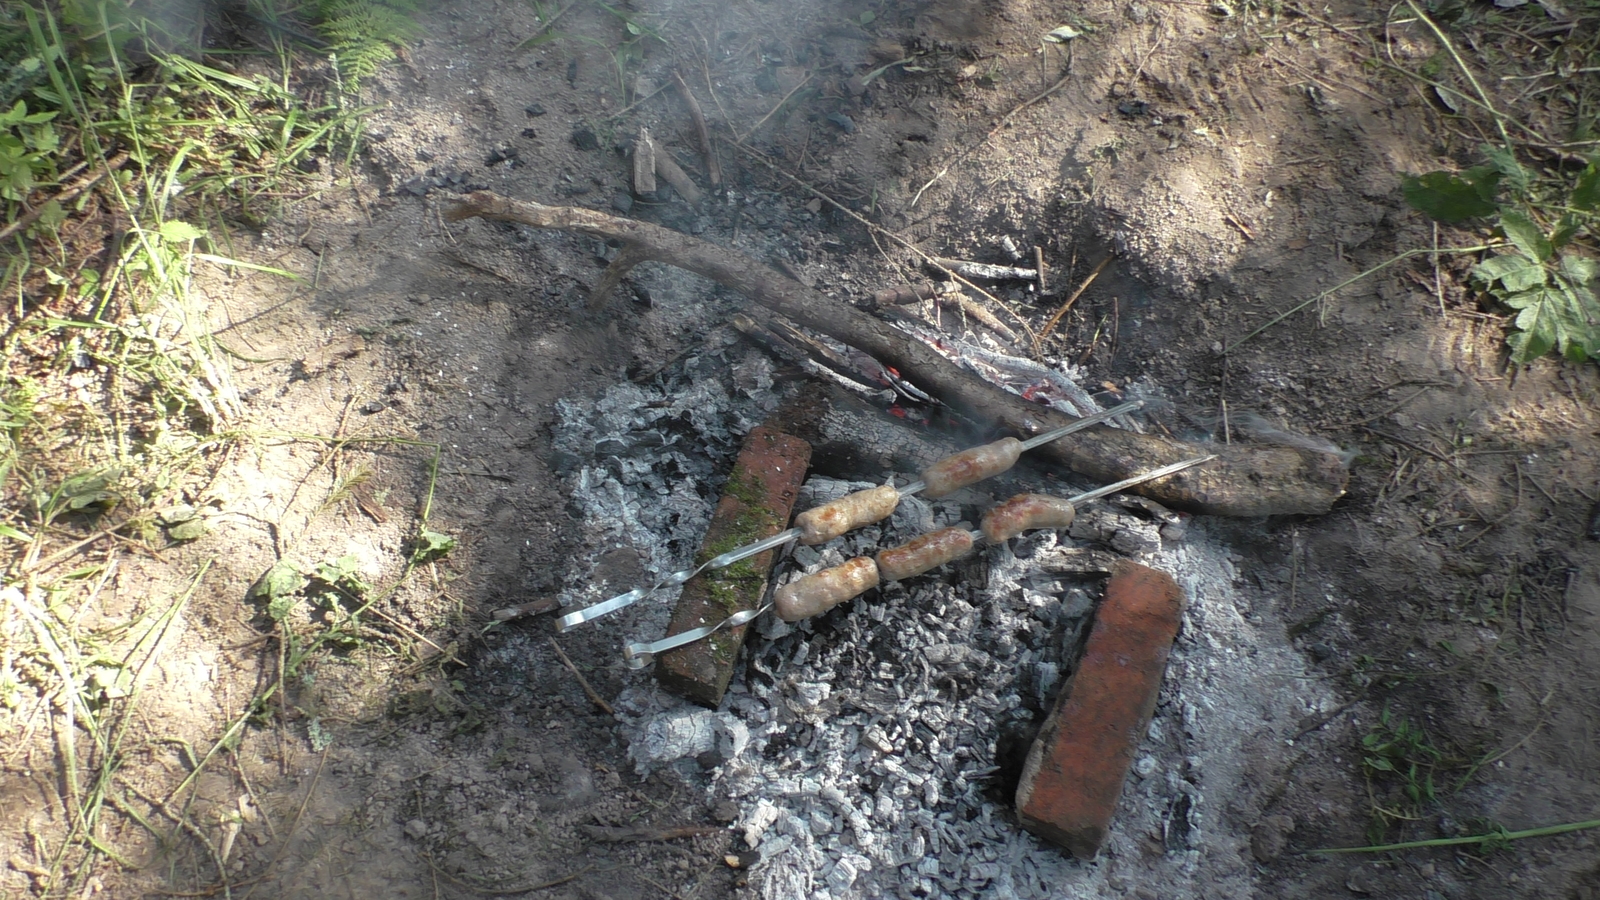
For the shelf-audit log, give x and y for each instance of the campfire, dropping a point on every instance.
(877, 749)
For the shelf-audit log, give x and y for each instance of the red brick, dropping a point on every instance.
(755, 504)
(1075, 770)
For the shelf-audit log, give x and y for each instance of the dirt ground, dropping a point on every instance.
(1236, 163)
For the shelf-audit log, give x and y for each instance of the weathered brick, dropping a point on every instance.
(1075, 770)
(755, 504)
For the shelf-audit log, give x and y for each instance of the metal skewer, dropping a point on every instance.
(639, 654)
(590, 613)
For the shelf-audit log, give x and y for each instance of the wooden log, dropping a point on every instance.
(1245, 480)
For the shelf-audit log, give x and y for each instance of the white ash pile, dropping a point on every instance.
(644, 464)
(864, 748)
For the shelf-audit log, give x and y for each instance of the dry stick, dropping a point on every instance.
(1038, 266)
(879, 229)
(739, 139)
(1004, 121)
(294, 825)
(1245, 480)
(594, 698)
(497, 892)
(713, 169)
(1051, 325)
(67, 194)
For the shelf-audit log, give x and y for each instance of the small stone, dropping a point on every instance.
(1270, 837)
(416, 829)
(1426, 870)
(1360, 881)
(621, 202)
(534, 110)
(585, 140)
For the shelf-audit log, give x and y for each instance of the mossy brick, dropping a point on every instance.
(1073, 777)
(755, 504)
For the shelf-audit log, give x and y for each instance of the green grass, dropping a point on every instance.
(120, 179)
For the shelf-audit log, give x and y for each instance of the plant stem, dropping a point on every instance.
(1546, 831)
(1499, 120)
(1352, 280)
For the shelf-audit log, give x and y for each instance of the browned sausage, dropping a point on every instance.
(828, 521)
(929, 551)
(971, 466)
(819, 592)
(1025, 511)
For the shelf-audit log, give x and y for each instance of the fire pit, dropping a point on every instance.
(874, 751)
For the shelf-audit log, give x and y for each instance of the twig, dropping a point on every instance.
(294, 825)
(500, 892)
(988, 271)
(739, 139)
(878, 229)
(1246, 480)
(713, 169)
(1004, 121)
(594, 698)
(668, 168)
(1051, 325)
(1405, 443)
(67, 194)
(1349, 281)
(611, 834)
(1038, 267)
(977, 311)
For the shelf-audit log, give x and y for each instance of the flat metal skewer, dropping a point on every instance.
(606, 607)
(639, 654)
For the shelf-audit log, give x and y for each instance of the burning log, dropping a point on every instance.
(1244, 481)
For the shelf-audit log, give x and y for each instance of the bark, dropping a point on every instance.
(1246, 480)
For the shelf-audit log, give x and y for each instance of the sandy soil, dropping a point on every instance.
(1237, 164)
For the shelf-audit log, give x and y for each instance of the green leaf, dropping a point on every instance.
(189, 530)
(88, 489)
(278, 582)
(1566, 229)
(1505, 162)
(14, 534)
(868, 17)
(1062, 35)
(1563, 315)
(432, 544)
(178, 232)
(1514, 271)
(1451, 198)
(1528, 237)
(1586, 193)
(343, 567)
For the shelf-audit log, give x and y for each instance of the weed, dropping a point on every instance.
(1399, 748)
(363, 34)
(1552, 289)
(626, 55)
(115, 172)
